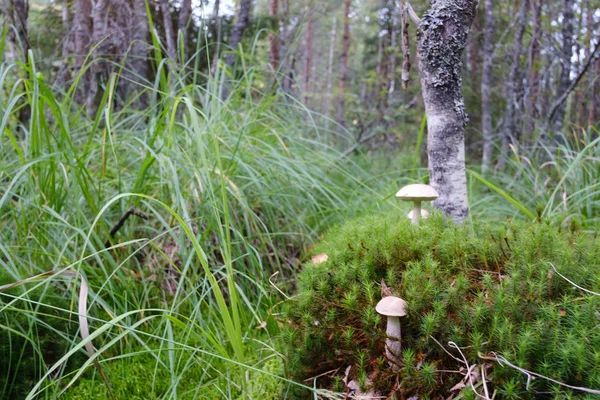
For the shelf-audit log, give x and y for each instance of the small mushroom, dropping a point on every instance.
(417, 193)
(424, 214)
(393, 308)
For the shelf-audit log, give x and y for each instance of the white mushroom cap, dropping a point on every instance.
(391, 306)
(417, 191)
(424, 213)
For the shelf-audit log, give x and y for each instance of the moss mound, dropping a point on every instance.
(490, 290)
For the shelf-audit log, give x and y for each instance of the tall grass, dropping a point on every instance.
(233, 190)
(560, 184)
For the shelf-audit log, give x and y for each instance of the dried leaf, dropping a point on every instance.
(319, 259)
(385, 290)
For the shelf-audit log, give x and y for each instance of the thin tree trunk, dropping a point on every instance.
(307, 59)
(82, 38)
(241, 23)
(66, 21)
(274, 48)
(532, 65)
(594, 76)
(509, 129)
(100, 32)
(16, 13)
(330, 67)
(344, 63)
(169, 31)
(139, 47)
(486, 86)
(444, 31)
(217, 33)
(185, 12)
(593, 112)
(405, 49)
(565, 74)
(395, 26)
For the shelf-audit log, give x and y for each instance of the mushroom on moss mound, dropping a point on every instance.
(487, 289)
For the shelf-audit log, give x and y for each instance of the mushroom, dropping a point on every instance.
(417, 193)
(424, 214)
(393, 308)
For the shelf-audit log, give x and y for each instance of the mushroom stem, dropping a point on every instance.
(393, 346)
(416, 212)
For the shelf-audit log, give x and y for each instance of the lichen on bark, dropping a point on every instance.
(443, 36)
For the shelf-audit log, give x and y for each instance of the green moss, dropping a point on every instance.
(488, 289)
(142, 378)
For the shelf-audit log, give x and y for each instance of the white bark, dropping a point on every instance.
(444, 29)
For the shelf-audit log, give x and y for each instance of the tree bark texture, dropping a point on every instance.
(344, 63)
(16, 14)
(307, 59)
(274, 34)
(185, 12)
(169, 30)
(533, 65)
(443, 36)
(241, 23)
(564, 82)
(486, 86)
(509, 129)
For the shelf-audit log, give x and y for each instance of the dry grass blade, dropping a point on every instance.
(84, 327)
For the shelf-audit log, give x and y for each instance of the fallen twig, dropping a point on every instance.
(131, 211)
(573, 283)
(503, 361)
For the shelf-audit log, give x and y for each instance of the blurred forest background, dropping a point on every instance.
(530, 67)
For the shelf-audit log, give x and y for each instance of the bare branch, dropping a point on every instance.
(575, 82)
(412, 14)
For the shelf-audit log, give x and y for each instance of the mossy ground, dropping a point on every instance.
(485, 288)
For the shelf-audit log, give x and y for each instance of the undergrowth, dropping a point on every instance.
(491, 290)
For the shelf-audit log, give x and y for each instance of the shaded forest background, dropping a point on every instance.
(530, 67)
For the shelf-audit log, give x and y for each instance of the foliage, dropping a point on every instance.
(144, 376)
(487, 289)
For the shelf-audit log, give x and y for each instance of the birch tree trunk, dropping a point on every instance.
(565, 73)
(509, 129)
(486, 86)
(443, 36)
(344, 63)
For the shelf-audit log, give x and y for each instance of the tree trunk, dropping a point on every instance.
(139, 48)
(486, 86)
(82, 38)
(274, 34)
(66, 21)
(217, 35)
(169, 30)
(509, 130)
(242, 20)
(344, 63)
(330, 68)
(532, 65)
(307, 59)
(16, 13)
(395, 26)
(444, 30)
(565, 74)
(185, 13)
